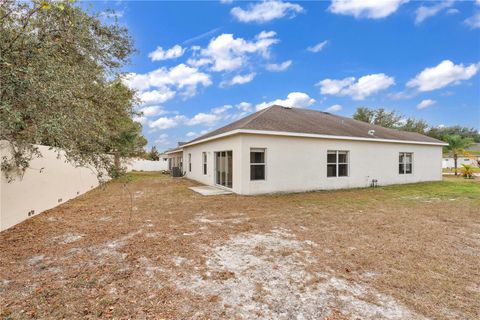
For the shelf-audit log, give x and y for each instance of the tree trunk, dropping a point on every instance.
(117, 162)
(455, 156)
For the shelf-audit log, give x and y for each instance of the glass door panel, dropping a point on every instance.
(224, 168)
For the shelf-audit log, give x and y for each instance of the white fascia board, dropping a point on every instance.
(311, 135)
(173, 151)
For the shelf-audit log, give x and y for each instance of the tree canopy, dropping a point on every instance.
(59, 75)
(394, 120)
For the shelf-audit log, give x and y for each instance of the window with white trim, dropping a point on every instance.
(204, 162)
(189, 162)
(405, 163)
(257, 164)
(337, 163)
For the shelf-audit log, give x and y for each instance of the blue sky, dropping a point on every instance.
(202, 64)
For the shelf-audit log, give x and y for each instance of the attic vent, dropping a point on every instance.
(286, 107)
(371, 132)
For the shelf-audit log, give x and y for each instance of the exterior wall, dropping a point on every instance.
(226, 144)
(146, 165)
(295, 164)
(448, 162)
(48, 180)
(175, 160)
(300, 164)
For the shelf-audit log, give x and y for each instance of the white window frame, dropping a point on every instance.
(405, 162)
(264, 164)
(204, 163)
(337, 163)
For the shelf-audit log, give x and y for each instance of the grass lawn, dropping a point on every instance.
(146, 246)
(459, 170)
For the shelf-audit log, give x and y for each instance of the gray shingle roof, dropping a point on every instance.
(296, 120)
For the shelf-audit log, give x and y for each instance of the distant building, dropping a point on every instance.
(471, 156)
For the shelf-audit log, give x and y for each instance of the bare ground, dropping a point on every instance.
(155, 249)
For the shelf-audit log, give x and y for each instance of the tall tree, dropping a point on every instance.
(414, 125)
(154, 154)
(440, 132)
(55, 64)
(381, 117)
(394, 120)
(456, 146)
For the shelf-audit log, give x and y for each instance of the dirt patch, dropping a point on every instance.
(274, 282)
(397, 252)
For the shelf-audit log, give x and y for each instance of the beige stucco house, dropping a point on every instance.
(282, 149)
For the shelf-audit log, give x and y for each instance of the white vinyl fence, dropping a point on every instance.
(146, 165)
(48, 182)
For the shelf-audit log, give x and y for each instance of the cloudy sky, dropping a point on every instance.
(201, 65)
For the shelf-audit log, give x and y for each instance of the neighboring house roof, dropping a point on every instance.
(178, 148)
(173, 150)
(474, 147)
(277, 119)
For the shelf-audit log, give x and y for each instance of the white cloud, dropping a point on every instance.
(227, 53)
(151, 111)
(318, 47)
(426, 103)
(199, 62)
(166, 123)
(442, 75)
(172, 53)
(424, 12)
(358, 90)
(203, 118)
(238, 79)
(222, 109)
(334, 108)
(112, 14)
(244, 106)
(452, 11)
(226, 1)
(136, 81)
(474, 21)
(191, 134)
(335, 87)
(156, 96)
(162, 139)
(140, 119)
(293, 100)
(266, 11)
(277, 67)
(374, 9)
(165, 83)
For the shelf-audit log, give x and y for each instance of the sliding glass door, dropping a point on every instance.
(224, 168)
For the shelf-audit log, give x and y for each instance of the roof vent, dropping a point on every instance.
(371, 132)
(286, 107)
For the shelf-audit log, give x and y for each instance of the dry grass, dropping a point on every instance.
(406, 251)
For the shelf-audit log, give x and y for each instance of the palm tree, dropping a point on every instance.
(456, 146)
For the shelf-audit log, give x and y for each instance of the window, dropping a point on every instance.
(337, 163)
(204, 162)
(189, 162)
(405, 163)
(257, 164)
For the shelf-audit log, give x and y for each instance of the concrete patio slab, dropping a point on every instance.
(210, 191)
